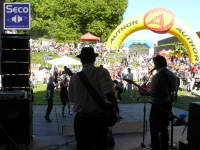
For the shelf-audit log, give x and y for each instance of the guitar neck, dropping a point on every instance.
(137, 85)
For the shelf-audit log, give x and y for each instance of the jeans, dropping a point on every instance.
(49, 108)
(159, 121)
(90, 132)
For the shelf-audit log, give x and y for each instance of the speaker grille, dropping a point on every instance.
(12, 41)
(15, 68)
(15, 81)
(193, 135)
(16, 55)
(16, 120)
(15, 63)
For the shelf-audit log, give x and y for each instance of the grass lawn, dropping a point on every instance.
(184, 97)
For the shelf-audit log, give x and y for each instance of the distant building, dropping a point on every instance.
(165, 43)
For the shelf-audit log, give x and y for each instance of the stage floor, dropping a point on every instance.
(127, 133)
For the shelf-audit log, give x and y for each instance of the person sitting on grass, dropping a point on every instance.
(118, 88)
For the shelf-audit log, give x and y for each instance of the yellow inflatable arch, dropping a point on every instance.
(158, 20)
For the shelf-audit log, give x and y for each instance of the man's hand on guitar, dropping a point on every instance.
(142, 90)
(132, 82)
(127, 80)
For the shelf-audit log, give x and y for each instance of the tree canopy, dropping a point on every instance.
(66, 20)
(180, 48)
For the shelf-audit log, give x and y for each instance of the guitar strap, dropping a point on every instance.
(95, 95)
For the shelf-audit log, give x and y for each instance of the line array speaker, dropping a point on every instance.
(15, 41)
(15, 68)
(15, 81)
(15, 61)
(16, 55)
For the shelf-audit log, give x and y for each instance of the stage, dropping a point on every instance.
(128, 133)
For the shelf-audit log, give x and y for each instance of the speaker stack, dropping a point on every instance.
(193, 135)
(16, 93)
(15, 62)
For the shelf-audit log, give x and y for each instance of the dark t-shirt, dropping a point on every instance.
(63, 90)
(51, 87)
(56, 77)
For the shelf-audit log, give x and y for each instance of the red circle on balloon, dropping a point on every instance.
(159, 20)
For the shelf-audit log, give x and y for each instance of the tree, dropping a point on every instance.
(180, 48)
(66, 20)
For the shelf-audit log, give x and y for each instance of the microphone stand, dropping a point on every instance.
(144, 124)
(142, 146)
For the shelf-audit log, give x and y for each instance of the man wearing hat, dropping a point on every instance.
(89, 124)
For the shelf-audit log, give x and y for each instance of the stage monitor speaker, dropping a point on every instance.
(16, 55)
(15, 41)
(193, 135)
(16, 121)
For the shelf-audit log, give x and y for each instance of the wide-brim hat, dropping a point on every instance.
(87, 52)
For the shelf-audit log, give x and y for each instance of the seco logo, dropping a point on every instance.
(11, 9)
(159, 20)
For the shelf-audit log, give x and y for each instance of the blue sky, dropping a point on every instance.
(186, 10)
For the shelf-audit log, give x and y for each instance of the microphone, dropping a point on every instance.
(150, 72)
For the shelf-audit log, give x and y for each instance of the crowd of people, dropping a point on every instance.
(187, 73)
(63, 48)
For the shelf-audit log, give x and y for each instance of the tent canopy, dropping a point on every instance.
(89, 37)
(64, 61)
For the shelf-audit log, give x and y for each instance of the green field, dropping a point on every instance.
(184, 97)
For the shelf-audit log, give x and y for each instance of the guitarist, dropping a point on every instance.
(161, 90)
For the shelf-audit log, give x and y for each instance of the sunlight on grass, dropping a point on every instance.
(40, 93)
(184, 97)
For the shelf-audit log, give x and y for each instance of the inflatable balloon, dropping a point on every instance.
(158, 20)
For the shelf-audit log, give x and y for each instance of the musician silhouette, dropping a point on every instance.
(162, 88)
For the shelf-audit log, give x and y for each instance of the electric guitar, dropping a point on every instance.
(137, 85)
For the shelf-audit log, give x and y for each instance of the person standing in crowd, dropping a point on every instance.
(34, 83)
(56, 74)
(188, 80)
(177, 87)
(64, 96)
(129, 76)
(193, 70)
(49, 97)
(90, 124)
(67, 71)
(162, 88)
(119, 89)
